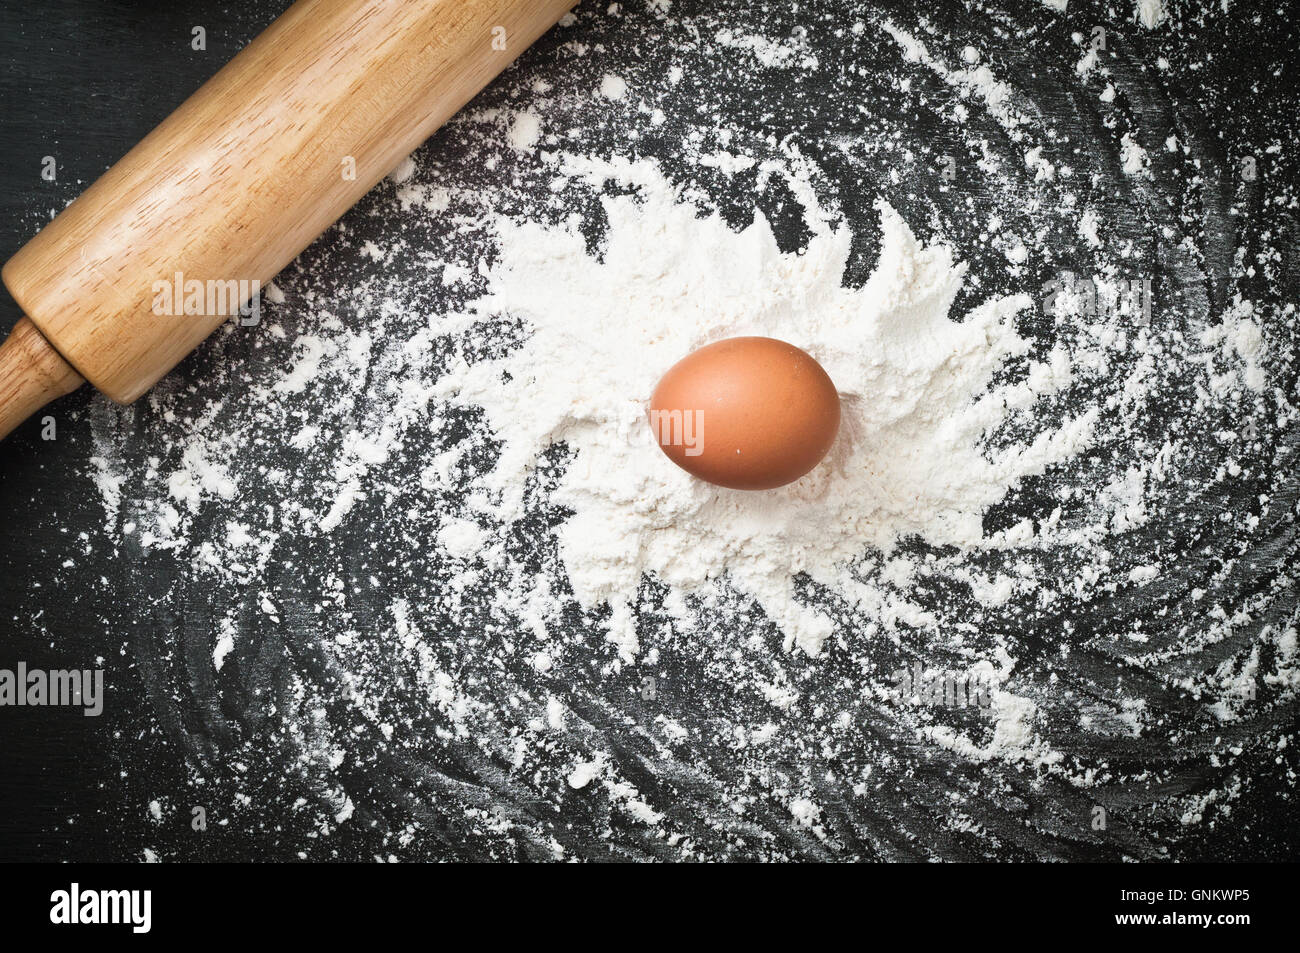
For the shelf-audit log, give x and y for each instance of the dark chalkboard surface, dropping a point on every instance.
(83, 80)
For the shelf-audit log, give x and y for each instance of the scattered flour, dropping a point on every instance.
(613, 87)
(525, 130)
(1133, 158)
(1150, 13)
(768, 53)
(437, 483)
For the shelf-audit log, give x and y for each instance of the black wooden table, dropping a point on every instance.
(83, 80)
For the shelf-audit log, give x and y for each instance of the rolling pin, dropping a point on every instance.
(238, 181)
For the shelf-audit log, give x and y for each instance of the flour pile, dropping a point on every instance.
(915, 385)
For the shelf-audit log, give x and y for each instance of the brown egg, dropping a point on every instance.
(748, 413)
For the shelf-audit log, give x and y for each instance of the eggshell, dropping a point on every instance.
(749, 413)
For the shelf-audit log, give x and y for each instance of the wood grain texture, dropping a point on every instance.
(31, 375)
(251, 168)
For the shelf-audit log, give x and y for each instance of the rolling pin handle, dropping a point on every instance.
(32, 373)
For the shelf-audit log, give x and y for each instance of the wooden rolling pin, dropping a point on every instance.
(241, 178)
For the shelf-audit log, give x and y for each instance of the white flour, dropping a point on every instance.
(915, 387)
